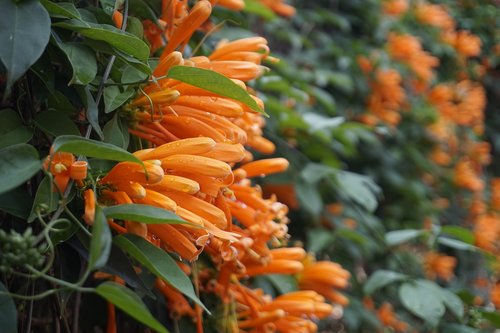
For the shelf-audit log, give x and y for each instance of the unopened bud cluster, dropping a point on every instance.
(18, 250)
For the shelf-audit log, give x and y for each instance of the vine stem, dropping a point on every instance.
(100, 91)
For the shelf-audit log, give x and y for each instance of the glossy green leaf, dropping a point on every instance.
(55, 123)
(16, 202)
(456, 244)
(92, 148)
(213, 82)
(134, 26)
(100, 243)
(380, 279)
(115, 132)
(124, 41)
(12, 130)
(8, 312)
(397, 237)
(157, 262)
(24, 32)
(461, 233)
(46, 199)
(18, 163)
(61, 9)
(128, 301)
(142, 213)
(113, 98)
(423, 299)
(92, 111)
(82, 60)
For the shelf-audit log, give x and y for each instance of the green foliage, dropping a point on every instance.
(128, 301)
(213, 82)
(157, 262)
(142, 213)
(8, 312)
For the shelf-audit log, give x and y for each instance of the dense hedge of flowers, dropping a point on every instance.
(249, 166)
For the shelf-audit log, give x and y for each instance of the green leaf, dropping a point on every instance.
(453, 303)
(456, 328)
(113, 98)
(82, 60)
(255, 7)
(8, 312)
(319, 240)
(91, 148)
(423, 299)
(61, 9)
(18, 163)
(55, 123)
(461, 233)
(309, 197)
(123, 41)
(142, 213)
(128, 301)
(283, 283)
(213, 82)
(24, 32)
(134, 26)
(456, 244)
(493, 317)
(115, 132)
(158, 262)
(397, 237)
(380, 279)
(12, 130)
(16, 202)
(100, 244)
(92, 111)
(46, 199)
(358, 188)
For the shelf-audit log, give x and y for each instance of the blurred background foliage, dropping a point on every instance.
(387, 111)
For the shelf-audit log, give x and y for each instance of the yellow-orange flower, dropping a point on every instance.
(388, 318)
(395, 7)
(438, 265)
(64, 167)
(323, 277)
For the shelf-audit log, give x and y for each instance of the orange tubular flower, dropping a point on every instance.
(467, 44)
(387, 97)
(408, 50)
(395, 7)
(495, 295)
(196, 17)
(290, 312)
(64, 167)
(279, 7)
(467, 177)
(388, 318)
(439, 265)
(174, 178)
(322, 277)
(434, 15)
(89, 198)
(265, 167)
